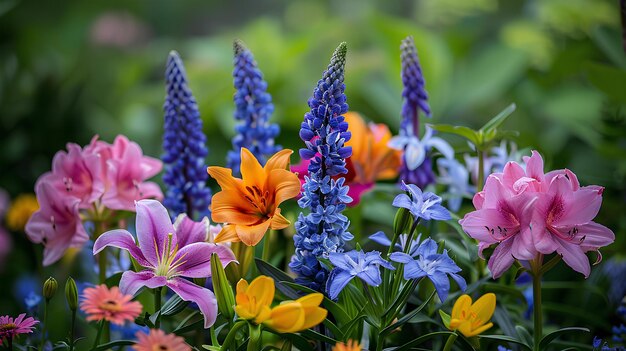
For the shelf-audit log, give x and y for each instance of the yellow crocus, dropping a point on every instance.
(20, 211)
(470, 318)
(254, 301)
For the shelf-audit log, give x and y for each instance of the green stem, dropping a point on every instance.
(481, 170)
(157, 307)
(379, 339)
(255, 337)
(398, 274)
(10, 343)
(102, 256)
(214, 341)
(45, 323)
(231, 334)
(450, 342)
(266, 246)
(537, 315)
(99, 334)
(72, 330)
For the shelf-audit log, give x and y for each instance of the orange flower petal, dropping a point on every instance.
(227, 234)
(280, 160)
(278, 221)
(230, 207)
(251, 171)
(284, 184)
(224, 177)
(252, 234)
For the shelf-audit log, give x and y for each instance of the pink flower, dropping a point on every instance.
(111, 305)
(127, 170)
(10, 327)
(158, 340)
(564, 222)
(76, 173)
(528, 213)
(56, 224)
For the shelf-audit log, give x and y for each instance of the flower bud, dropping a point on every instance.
(221, 287)
(71, 294)
(402, 221)
(50, 288)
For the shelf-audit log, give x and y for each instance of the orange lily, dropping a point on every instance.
(372, 159)
(249, 205)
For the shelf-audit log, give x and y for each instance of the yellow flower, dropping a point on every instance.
(250, 205)
(372, 159)
(21, 210)
(254, 301)
(352, 345)
(470, 318)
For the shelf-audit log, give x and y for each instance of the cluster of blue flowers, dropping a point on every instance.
(253, 108)
(184, 144)
(325, 229)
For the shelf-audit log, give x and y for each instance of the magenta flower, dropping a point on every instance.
(56, 224)
(76, 173)
(527, 213)
(169, 253)
(10, 327)
(127, 170)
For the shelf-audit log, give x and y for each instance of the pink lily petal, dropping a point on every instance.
(196, 259)
(594, 235)
(583, 207)
(534, 166)
(189, 231)
(131, 282)
(121, 239)
(153, 225)
(574, 256)
(501, 260)
(511, 173)
(204, 298)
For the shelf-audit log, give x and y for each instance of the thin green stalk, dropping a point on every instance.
(157, 307)
(99, 334)
(450, 342)
(537, 315)
(400, 271)
(72, 330)
(214, 341)
(254, 341)
(267, 241)
(45, 323)
(481, 170)
(10, 343)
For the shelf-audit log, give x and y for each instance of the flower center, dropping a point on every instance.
(168, 264)
(111, 305)
(259, 199)
(7, 327)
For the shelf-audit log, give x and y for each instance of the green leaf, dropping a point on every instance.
(311, 334)
(407, 317)
(300, 342)
(113, 344)
(507, 339)
(524, 335)
(610, 80)
(409, 345)
(445, 318)
(498, 120)
(337, 311)
(557, 333)
(465, 132)
(333, 329)
(278, 276)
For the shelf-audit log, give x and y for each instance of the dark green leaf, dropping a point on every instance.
(507, 339)
(557, 333)
(312, 334)
(498, 119)
(337, 311)
(278, 276)
(409, 345)
(408, 316)
(465, 132)
(113, 344)
(524, 334)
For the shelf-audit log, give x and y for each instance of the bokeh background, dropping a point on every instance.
(72, 69)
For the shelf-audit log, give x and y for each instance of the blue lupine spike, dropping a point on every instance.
(253, 108)
(184, 146)
(415, 99)
(325, 229)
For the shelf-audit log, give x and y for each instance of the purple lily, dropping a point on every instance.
(169, 253)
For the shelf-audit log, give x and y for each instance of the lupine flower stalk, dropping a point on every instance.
(184, 146)
(253, 108)
(416, 166)
(324, 131)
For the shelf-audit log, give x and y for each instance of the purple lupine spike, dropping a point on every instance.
(184, 146)
(253, 109)
(324, 131)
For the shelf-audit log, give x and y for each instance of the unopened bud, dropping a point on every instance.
(221, 287)
(402, 221)
(50, 288)
(71, 294)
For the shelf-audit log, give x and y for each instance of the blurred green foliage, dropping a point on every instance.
(72, 69)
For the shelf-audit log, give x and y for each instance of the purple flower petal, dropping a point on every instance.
(131, 282)
(380, 238)
(337, 280)
(188, 231)
(196, 259)
(340, 260)
(400, 257)
(204, 298)
(121, 239)
(153, 227)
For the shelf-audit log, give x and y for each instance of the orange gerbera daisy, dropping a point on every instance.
(158, 340)
(352, 345)
(111, 305)
(249, 205)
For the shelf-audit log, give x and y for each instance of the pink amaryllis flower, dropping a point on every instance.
(102, 303)
(169, 255)
(76, 173)
(528, 213)
(158, 340)
(126, 174)
(57, 224)
(10, 327)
